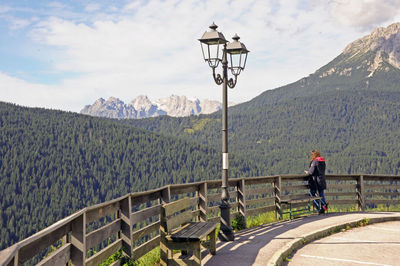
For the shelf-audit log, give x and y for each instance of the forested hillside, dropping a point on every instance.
(357, 132)
(53, 163)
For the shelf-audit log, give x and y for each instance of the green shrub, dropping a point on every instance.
(239, 223)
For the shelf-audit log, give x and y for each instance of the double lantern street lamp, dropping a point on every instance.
(211, 44)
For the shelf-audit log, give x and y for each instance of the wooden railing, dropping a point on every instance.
(131, 222)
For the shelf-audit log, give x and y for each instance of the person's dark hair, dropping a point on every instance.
(314, 154)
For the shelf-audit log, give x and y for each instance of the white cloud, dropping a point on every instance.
(92, 7)
(151, 47)
(364, 13)
(4, 9)
(18, 91)
(133, 5)
(64, 96)
(17, 23)
(57, 5)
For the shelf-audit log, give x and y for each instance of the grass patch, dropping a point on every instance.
(116, 256)
(338, 208)
(263, 218)
(364, 222)
(384, 208)
(150, 258)
(354, 208)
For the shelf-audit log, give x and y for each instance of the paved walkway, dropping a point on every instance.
(270, 244)
(376, 244)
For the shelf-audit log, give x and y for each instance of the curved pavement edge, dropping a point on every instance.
(284, 252)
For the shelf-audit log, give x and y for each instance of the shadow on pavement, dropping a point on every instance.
(248, 243)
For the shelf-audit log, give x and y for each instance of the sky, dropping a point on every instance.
(66, 54)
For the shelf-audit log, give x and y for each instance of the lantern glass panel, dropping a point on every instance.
(236, 62)
(212, 53)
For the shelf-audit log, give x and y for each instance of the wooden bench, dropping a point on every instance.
(178, 232)
(297, 212)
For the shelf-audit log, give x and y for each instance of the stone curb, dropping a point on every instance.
(290, 247)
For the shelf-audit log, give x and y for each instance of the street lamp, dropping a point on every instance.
(211, 44)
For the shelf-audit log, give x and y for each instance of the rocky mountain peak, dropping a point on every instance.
(373, 53)
(140, 101)
(112, 101)
(386, 39)
(112, 108)
(209, 106)
(179, 106)
(100, 101)
(383, 42)
(142, 107)
(145, 108)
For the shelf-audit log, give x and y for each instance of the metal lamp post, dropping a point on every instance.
(211, 43)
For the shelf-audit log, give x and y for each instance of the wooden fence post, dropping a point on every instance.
(277, 196)
(165, 195)
(241, 199)
(203, 202)
(126, 225)
(117, 215)
(78, 240)
(64, 241)
(361, 193)
(165, 198)
(15, 261)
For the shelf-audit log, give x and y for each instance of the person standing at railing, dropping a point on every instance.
(316, 179)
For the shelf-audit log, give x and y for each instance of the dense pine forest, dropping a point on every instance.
(356, 132)
(54, 163)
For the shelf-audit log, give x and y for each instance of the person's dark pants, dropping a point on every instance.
(313, 192)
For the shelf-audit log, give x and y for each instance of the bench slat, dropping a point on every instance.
(194, 231)
(198, 230)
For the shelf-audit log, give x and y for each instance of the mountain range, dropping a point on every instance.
(142, 107)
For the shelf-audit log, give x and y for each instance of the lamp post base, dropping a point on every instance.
(225, 231)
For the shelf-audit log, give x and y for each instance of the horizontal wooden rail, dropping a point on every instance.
(384, 194)
(340, 194)
(98, 258)
(59, 257)
(96, 237)
(383, 201)
(143, 249)
(260, 210)
(132, 222)
(145, 231)
(258, 191)
(259, 201)
(217, 196)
